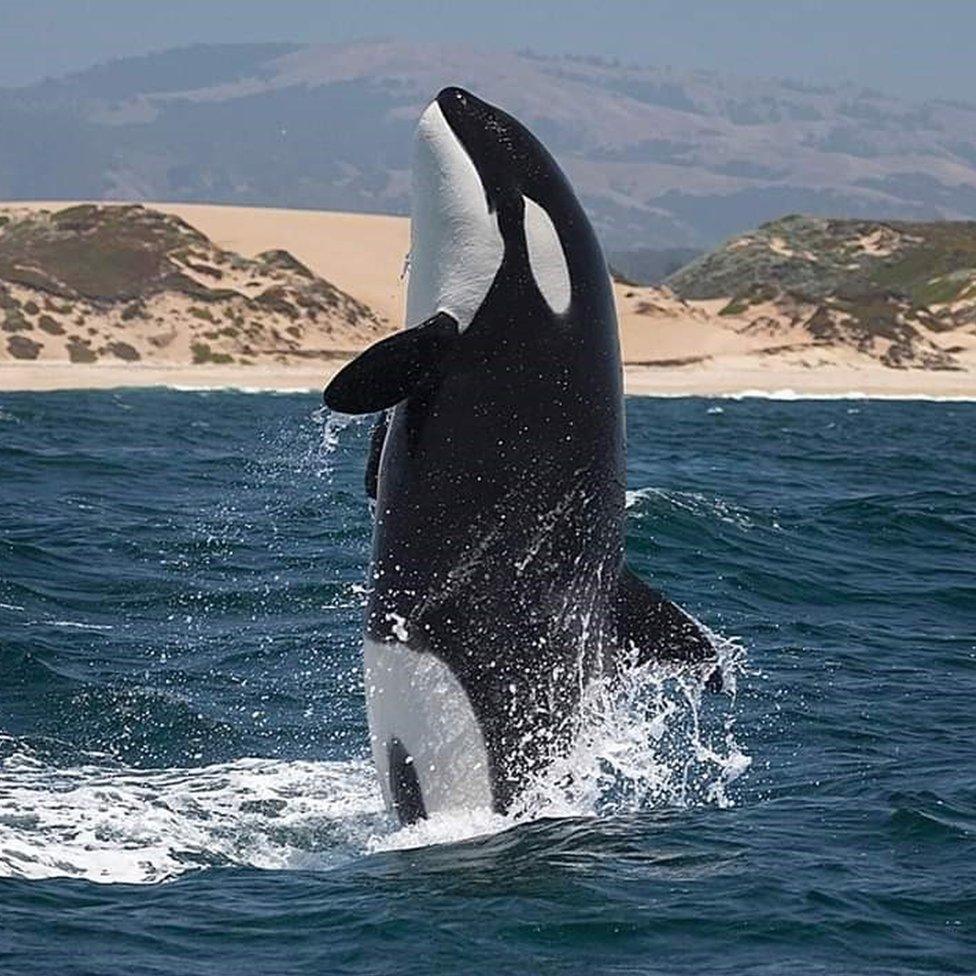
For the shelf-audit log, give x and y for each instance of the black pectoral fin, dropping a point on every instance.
(392, 369)
(660, 630)
(408, 799)
(376, 441)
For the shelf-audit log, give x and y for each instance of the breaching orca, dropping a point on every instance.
(497, 468)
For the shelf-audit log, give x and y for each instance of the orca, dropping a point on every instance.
(498, 582)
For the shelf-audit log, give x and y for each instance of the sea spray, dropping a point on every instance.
(645, 741)
(332, 426)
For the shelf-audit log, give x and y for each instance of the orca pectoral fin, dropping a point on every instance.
(376, 441)
(392, 369)
(660, 630)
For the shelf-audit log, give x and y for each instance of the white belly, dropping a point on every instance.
(416, 698)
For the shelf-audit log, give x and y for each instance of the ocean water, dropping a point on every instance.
(184, 780)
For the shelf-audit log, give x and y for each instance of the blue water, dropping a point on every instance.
(184, 783)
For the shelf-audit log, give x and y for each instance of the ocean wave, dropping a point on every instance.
(78, 624)
(644, 741)
(642, 501)
(234, 388)
(108, 824)
(788, 394)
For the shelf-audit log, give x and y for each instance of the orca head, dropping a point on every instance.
(485, 190)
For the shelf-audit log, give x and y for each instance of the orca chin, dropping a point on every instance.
(499, 587)
(456, 246)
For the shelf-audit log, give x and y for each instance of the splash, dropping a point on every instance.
(332, 425)
(646, 739)
(113, 824)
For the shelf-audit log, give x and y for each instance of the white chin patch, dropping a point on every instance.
(417, 699)
(546, 257)
(455, 245)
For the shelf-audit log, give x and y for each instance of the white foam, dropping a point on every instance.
(694, 502)
(454, 827)
(789, 394)
(108, 824)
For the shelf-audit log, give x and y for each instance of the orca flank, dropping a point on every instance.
(499, 587)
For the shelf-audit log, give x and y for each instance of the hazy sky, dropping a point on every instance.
(915, 48)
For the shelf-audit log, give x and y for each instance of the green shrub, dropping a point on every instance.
(202, 353)
(123, 350)
(20, 347)
(50, 325)
(79, 352)
(14, 321)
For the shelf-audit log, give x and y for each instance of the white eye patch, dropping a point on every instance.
(546, 257)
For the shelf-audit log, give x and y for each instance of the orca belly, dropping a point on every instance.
(426, 741)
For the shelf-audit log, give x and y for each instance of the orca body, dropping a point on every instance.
(498, 581)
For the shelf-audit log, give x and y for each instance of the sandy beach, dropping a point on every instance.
(733, 381)
(670, 347)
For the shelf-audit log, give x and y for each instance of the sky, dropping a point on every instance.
(913, 48)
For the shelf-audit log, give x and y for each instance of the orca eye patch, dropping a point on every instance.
(546, 257)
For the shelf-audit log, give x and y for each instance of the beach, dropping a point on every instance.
(670, 347)
(638, 381)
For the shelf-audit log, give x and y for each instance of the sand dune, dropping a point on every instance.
(670, 346)
(362, 254)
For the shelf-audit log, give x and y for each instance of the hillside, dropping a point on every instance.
(126, 295)
(904, 293)
(127, 283)
(661, 158)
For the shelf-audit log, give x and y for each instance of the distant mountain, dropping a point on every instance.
(904, 292)
(649, 265)
(662, 158)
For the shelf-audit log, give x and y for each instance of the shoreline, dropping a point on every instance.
(735, 382)
(674, 348)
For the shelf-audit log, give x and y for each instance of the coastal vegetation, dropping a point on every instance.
(112, 282)
(891, 289)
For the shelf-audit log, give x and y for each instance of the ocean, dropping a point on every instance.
(184, 776)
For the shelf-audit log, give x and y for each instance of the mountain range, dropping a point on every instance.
(662, 158)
